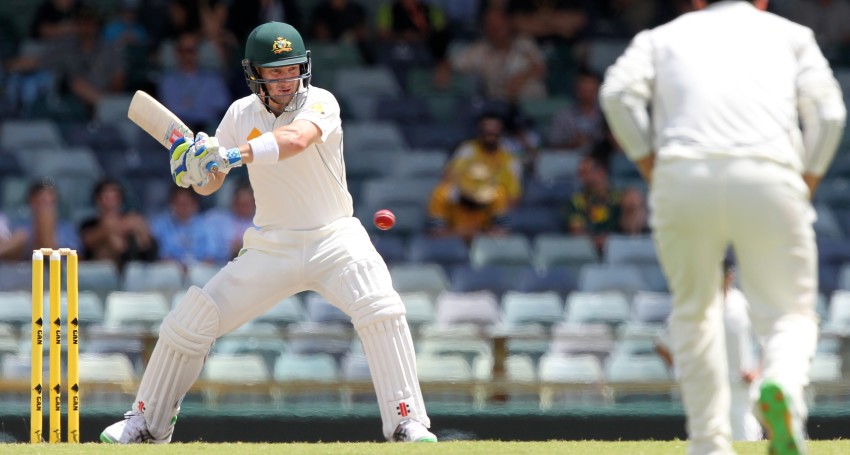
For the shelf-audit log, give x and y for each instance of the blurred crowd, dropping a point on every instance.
(534, 68)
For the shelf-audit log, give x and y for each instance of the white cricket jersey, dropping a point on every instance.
(726, 81)
(302, 192)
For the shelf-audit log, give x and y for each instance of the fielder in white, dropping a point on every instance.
(289, 135)
(708, 106)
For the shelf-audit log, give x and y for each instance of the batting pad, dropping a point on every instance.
(389, 351)
(185, 338)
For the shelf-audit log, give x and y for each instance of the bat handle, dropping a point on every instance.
(212, 166)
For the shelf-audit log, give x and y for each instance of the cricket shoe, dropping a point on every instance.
(412, 431)
(133, 430)
(781, 419)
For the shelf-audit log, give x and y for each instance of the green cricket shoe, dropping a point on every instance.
(783, 423)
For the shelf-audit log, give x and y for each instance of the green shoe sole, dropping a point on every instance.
(784, 439)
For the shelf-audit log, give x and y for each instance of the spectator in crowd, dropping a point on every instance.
(198, 96)
(124, 29)
(339, 20)
(207, 18)
(244, 15)
(82, 66)
(413, 22)
(563, 20)
(580, 126)
(468, 202)
(114, 234)
(342, 20)
(231, 224)
(624, 18)
(489, 150)
(595, 209)
(182, 233)
(43, 226)
(12, 243)
(510, 66)
(55, 20)
(633, 214)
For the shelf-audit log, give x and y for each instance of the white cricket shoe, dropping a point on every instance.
(412, 431)
(132, 430)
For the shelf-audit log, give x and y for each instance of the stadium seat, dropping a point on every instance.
(447, 251)
(17, 276)
(625, 249)
(287, 311)
(463, 339)
(826, 224)
(603, 307)
(651, 307)
(89, 306)
(654, 277)
(481, 307)
(16, 307)
(518, 368)
(316, 368)
(556, 278)
(419, 307)
(165, 277)
(355, 82)
(443, 136)
(636, 369)
(583, 369)
(98, 276)
(494, 278)
(402, 110)
(391, 247)
(429, 164)
(321, 311)
(135, 309)
(410, 217)
(245, 370)
(443, 368)
(355, 368)
(552, 194)
(533, 220)
(19, 135)
(532, 308)
(554, 166)
(113, 107)
(839, 308)
(426, 277)
(370, 163)
(256, 337)
(373, 135)
(558, 249)
(602, 52)
(510, 249)
(541, 110)
(826, 368)
(420, 83)
(396, 191)
(316, 338)
(575, 339)
(606, 277)
(199, 273)
(113, 368)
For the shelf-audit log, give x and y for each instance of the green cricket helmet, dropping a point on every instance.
(276, 44)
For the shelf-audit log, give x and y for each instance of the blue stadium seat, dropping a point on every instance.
(288, 311)
(323, 312)
(509, 250)
(365, 135)
(544, 308)
(630, 249)
(425, 277)
(428, 163)
(605, 277)
(444, 136)
(607, 307)
(390, 246)
(554, 194)
(481, 307)
(564, 250)
(533, 220)
(403, 110)
(554, 166)
(495, 278)
(651, 307)
(560, 279)
(446, 251)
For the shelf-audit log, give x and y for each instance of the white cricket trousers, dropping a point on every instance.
(761, 209)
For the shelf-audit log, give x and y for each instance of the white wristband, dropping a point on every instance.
(265, 149)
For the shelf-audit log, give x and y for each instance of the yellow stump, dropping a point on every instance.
(36, 414)
(73, 350)
(55, 347)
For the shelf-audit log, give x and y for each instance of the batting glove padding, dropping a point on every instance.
(178, 162)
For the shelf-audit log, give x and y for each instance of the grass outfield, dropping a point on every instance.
(445, 448)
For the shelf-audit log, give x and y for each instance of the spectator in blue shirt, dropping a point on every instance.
(182, 232)
(44, 226)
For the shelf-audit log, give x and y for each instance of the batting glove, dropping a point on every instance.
(209, 156)
(179, 172)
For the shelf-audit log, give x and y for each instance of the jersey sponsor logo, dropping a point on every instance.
(318, 108)
(281, 44)
(255, 133)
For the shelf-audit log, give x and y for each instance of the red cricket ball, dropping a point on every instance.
(384, 219)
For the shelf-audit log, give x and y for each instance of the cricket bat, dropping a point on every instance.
(159, 122)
